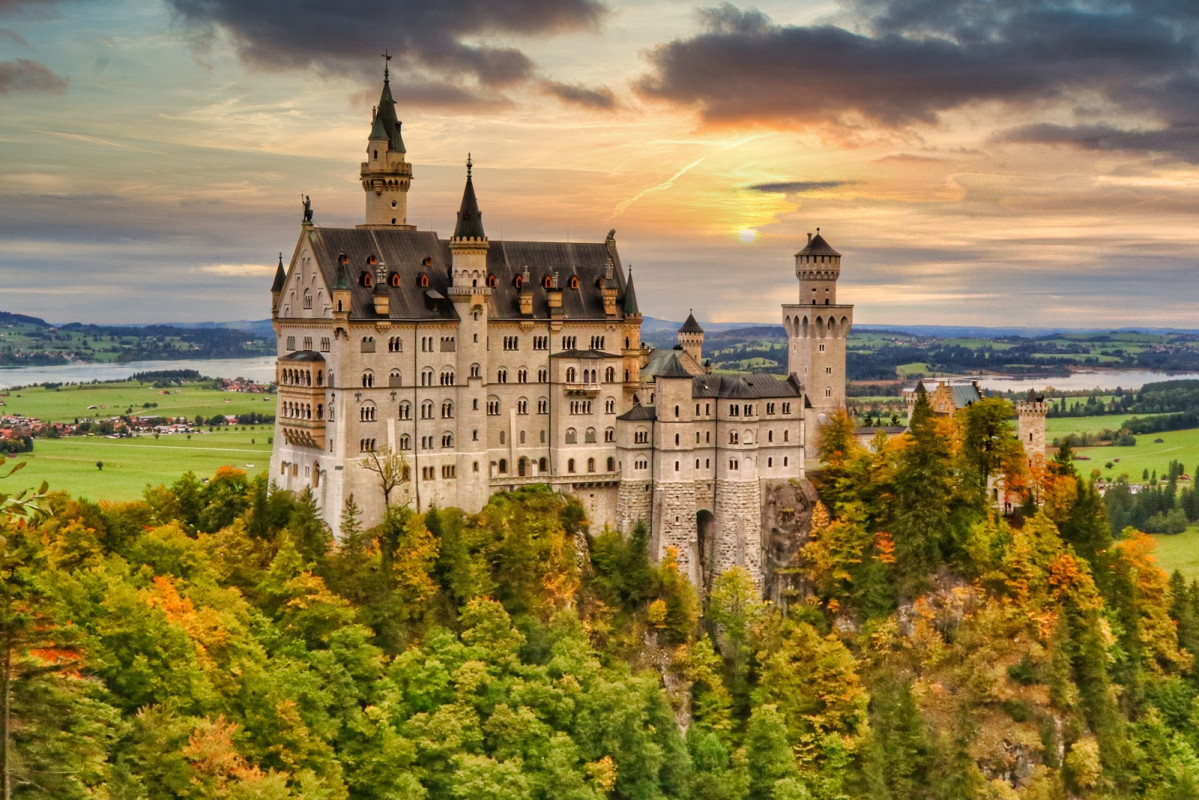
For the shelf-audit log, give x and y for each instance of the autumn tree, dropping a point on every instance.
(390, 468)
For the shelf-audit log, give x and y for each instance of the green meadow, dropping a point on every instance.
(132, 464)
(71, 402)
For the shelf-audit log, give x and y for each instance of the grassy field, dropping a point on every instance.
(67, 403)
(1147, 454)
(1180, 552)
(130, 465)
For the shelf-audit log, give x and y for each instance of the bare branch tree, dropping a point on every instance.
(391, 468)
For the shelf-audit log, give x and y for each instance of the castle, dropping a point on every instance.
(489, 365)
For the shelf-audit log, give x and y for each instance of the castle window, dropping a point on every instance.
(395, 276)
(325, 344)
(475, 370)
(610, 375)
(770, 462)
(749, 410)
(447, 410)
(611, 464)
(543, 375)
(572, 436)
(591, 465)
(395, 345)
(368, 344)
(610, 435)
(609, 406)
(405, 410)
(447, 440)
(733, 436)
(307, 299)
(570, 465)
(426, 409)
(641, 436)
(501, 375)
(828, 370)
(491, 280)
(676, 440)
(395, 380)
(368, 379)
(522, 406)
(447, 378)
(291, 343)
(676, 466)
(732, 463)
(541, 436)
(568, 342)
(570, 374)
(449, 471)
(365, 278)
(426, 376)
(522, 375)
(367, 412)
(734, 410)
(574, 281)
(519, 282)
(542, 465)
(448, 344)
(405, 442)
(769, 436)
(770, 408)
(423, 280)
(589, 436)
(676, 412)
(543, 405)
(541, 343)
(493, 407)
(547, 282)
(366, 445)
(786, 435)
(828, 392)
(786, 408)
(511, 342)
(784, 461)
(820, 347)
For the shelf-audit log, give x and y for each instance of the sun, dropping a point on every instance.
(747, 235)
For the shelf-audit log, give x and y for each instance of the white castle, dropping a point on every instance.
(490, 365)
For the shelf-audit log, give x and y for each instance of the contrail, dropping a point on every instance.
(669, 182)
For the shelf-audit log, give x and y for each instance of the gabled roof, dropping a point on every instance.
(639, 413)
(817, 246)
(691, 326)
(672, 369)
(964, 394)
(470, 219)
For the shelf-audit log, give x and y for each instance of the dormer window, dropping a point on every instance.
(547, 282)
(395, 279)
(574, 281)
(491, 281)
(519, 282)
(423, 280)
(365, 278)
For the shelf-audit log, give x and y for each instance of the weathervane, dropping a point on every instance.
(468, 165)
(386, 64)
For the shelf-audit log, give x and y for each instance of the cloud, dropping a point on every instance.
(600, 99)
(899, 64)
(797, 187)
(23, 75)
(1180, 140)
(429, 39)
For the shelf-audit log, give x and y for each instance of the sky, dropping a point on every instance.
(976, 162)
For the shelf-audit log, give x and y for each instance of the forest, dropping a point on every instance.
(211, 640)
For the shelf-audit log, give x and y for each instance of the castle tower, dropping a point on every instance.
(386, 173)
(632, 356)
(1030, 422)
(469, 292)
(691, 338)
(817, 330)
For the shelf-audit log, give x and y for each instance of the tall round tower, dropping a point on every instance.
(386, 173)
(817, 329)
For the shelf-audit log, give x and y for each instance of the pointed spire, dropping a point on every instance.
(470, 219)
(280, 276)
(691, 326)
(385, 121)
(630, 297)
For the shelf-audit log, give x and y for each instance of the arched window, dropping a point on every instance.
(570, 465)
(610, 374)
(610, 435)
(572, 436)
(501, 375)
(426, 376)
(574, 281)
(395, 279)
(475, 370)
(426, 409)
(395, 379)
(447, 440)
(405, 442)
(542, 465)
(405, 410)
(368, 379)
(447, 410)
(570, 374)
(491, 280)
(611, 464)
(423, 280)
(447, 378)
(503, 466)
(589, 436)
(591, 465)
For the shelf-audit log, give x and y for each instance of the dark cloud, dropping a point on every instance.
(1181, 141)
(436, 38)
(14, 6)
(912, 60)
(23, 75)
(601, 98)
(797, 187)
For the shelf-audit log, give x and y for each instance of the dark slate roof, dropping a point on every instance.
(817, 246)
(630, 297)
(404, 252)
(964, 394)
(744, 386)
(470, 218)
(691, 326)
(639, 413)
(303, 355)
(1034, 396)
(280, 276)
(385, 115)
(672, 369)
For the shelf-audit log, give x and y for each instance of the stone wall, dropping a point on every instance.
(633, 504)
(786, 522)
(674, 526)
(736, 531)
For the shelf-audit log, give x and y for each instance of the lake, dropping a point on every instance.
(1103, 380)
(259, 370)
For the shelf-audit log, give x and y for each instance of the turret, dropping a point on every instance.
(277, 286)
(386, 173)
(1030, 422)
(469, 245)
(691, 337)
(341, 288)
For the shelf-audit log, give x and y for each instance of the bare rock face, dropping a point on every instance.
(786, 522)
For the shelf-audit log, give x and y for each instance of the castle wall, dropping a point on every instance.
(736, 529)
